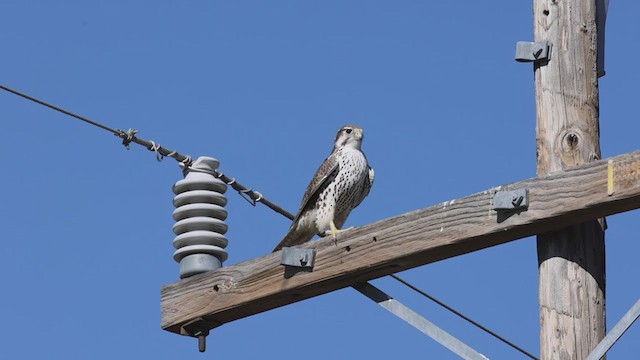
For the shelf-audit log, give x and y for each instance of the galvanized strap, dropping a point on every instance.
(615, 333)
(417, 321)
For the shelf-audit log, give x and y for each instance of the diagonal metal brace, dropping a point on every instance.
(627, 320)
(417, 321)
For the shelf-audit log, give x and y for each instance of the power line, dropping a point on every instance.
(117, 132)
(126, 136)
(129, 137)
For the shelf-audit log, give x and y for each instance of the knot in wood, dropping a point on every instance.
(572, 139)
(574, 148)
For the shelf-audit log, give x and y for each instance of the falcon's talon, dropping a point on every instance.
(339, 185)
(334, 232)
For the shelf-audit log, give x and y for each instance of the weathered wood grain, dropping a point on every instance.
(416, 238)
(571, 260)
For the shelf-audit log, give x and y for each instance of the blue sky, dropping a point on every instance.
(264, 86)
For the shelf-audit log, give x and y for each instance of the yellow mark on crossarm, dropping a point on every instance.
(610, 178)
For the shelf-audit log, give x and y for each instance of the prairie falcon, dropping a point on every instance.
(339, 185)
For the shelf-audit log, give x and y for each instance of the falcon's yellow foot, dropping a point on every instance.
(334, 231)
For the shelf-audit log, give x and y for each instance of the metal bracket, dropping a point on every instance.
(533, 51)
(298, 257)
(511, 199)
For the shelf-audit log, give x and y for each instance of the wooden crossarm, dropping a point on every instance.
(405, 241)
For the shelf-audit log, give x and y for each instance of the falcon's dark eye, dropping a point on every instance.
(349, 131)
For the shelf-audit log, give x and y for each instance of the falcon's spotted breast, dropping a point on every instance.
(340, 184)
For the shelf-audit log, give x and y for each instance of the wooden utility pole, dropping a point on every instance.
(572, 260)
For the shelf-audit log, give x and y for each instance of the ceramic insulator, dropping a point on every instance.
(200, 242)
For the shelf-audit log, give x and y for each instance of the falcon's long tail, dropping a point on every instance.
(297, 235)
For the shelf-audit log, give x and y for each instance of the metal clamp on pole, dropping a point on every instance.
(511, 200)
(533, 51)
(298, 257)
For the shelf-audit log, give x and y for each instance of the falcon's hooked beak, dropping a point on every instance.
(358, 133)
